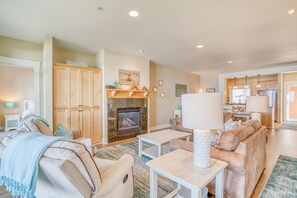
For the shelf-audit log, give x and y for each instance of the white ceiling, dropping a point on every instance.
(252, 33)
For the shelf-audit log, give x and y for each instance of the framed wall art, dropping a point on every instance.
(128, 77)
(180, 90)
(210, 90)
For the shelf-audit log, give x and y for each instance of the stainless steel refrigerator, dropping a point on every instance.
(272, 94)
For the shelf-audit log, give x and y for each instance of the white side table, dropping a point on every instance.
(178, 166)
(12, 121)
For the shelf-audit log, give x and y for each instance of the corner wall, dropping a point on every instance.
(111, 62)
(161, 109)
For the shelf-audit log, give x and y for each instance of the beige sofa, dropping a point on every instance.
(244, 149)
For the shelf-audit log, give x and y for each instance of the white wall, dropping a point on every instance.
(114, 61)
(15, 48)
(209, 80)
(61, 55)
(12, 90)
(161, 109)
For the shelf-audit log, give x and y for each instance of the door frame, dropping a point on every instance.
(286, 85)
(29, 64)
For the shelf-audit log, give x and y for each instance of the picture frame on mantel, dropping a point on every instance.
(210, 90)
(128, 77)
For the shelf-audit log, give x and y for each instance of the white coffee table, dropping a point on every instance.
(178, 166)
(158, 139)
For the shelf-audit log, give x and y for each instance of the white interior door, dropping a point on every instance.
(291, 102)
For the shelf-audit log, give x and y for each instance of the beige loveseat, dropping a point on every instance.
(244, 149)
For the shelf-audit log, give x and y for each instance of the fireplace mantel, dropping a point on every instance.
(119, 93)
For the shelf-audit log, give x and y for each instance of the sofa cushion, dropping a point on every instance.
(229, 140)
(77, 154)
(254, 123)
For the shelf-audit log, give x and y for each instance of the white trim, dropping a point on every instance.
(286, 85)
(159, 127)
(29, 64)
(16, 62)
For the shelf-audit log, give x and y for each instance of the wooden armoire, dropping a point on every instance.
(77, 99)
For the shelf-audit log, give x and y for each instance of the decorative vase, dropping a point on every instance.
(202, 140)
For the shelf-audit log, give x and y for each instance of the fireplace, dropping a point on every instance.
(128, 120)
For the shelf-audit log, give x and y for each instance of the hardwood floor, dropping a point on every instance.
(280, 142)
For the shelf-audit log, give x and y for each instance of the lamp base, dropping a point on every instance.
(202, 140)
(256, 116)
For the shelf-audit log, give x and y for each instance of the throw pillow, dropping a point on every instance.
(232, 125)
(29, 126)
(43, 128)
(215, 136)
(63, 132)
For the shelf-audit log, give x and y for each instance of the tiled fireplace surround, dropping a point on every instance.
(112, 112)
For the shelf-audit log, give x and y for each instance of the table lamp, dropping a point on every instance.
(9, 105)
(202, 112)
(257, 105)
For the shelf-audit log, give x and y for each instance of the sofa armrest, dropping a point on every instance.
(115, 174)
(175, 121)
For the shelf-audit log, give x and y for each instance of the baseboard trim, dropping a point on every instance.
(159, 127)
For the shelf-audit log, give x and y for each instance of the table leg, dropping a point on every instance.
(159, 150)
(196, 193)
(139, 147)
(153, 183)
(220, 184)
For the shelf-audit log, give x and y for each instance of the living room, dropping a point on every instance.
(133, 83)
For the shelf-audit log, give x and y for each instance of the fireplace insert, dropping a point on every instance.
(129, 120)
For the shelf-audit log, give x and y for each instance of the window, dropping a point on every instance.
(238, 96)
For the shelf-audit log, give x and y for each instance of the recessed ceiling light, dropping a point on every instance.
(133, 13)
(99, 8)
(140, 51)
(199, 46)
(230, 61)
(291, 11)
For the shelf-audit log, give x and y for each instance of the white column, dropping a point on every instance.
(47, 80)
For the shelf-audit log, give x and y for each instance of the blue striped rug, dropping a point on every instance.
(283, 179)
(140, 170)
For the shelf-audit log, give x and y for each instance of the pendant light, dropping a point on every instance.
(246, 84)
(258, 84)
(235, 87)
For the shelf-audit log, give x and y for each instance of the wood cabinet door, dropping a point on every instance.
(86, 88)
(61, 116)
(74, 88)
(97, 89)
(75, 120)
(87, 126)
(97, 125)
(61, 84)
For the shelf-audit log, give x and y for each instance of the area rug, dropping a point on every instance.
(289, 126)
(283, 179)
(140, 170)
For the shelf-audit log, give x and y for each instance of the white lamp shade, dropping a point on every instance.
(257, 104)
(202, 111)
